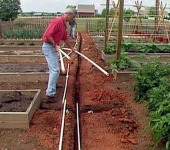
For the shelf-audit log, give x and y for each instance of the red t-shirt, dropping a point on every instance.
(56, 29)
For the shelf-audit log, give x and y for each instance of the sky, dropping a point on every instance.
(59, 6)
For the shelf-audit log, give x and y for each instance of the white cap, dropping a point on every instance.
(69, 11)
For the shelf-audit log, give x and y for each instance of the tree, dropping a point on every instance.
(128, 13)
(71, 6)
(151, 12)
(9, 9)
(103, 14)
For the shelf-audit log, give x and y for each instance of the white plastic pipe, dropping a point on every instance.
(67, 54)
(62, 63)
(97, 66)
(78, 127)
(68, 57)
(62, 126)
(67, 49)
(66, 84)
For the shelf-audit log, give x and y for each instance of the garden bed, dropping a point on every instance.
(29, 42)
(141, 57)
(17, 107)
(104, 105)
(19, 48)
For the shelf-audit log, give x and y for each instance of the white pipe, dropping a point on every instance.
(78, 127)
(62, 63)
(62, 126)
(67, 77)
(97, 66)
(67, 54)
(68, 57)
(67, 49)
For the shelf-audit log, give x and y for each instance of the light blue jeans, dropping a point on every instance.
(54, 70)
(72, 31)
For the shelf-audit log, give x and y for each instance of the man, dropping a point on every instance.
(73, 25)
(54, 33)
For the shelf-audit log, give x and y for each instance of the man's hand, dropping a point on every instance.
(57, 47)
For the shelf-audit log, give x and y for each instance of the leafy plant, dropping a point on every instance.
(158, 94)
(124, 62)
(160, 123)
(148, 77)
(25, 33)
(110, 49)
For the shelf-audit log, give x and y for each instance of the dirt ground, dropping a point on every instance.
(110, 118)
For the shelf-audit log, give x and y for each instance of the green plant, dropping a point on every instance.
(160, 123)
(158, 94)
(110, 49)
(124, 63)
(148, 77)
(25, 33)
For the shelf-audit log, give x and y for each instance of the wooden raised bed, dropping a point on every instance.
(22, 59)
(20, 119)
(19, 48)
(163, 57)
(21, 41)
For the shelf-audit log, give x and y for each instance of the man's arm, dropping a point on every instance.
(51, 40)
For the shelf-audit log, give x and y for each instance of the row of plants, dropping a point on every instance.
(153, 86)
(24, 33)
(139, 47)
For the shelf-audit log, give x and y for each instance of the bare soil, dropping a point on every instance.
(15, 101)
(23, 68)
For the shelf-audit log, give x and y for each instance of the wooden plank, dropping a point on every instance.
(20, 48)
(22, 59)
(34, 105)
(23, 77)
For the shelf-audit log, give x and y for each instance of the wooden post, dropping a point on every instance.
(119, 42)
(156, 15)
(1, 30)
(107, 20)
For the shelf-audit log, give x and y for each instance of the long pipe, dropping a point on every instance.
(62, 126)
(97, 66)
(67, 54)
(62, 63)
(67, 49)
(78, 127)
(68, 57)
(66, 84)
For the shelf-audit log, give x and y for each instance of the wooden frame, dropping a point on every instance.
(20, 119)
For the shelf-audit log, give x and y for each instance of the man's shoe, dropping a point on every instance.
(50, 99)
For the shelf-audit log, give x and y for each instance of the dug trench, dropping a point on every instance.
(109, 118)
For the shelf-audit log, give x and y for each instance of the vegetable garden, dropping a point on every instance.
(113, 94)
